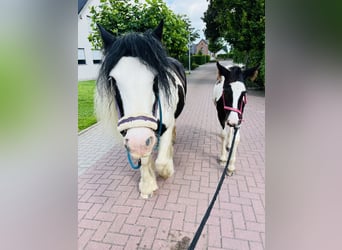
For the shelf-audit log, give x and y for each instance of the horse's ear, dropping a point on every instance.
(107, 38)
(251, 73)
(158, 32)
(222, 70)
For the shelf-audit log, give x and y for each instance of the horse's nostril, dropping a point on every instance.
(148, 141)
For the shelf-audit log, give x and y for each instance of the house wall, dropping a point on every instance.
(88, 71)
(202, 46)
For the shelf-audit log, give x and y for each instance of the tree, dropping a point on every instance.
(122, 16)
(215, 45)
(242, 24)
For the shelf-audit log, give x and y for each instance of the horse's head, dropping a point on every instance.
(137, 103)
(134, 76)
(234, 90)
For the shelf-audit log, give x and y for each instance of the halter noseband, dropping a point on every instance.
(140, 120)
(240, 110)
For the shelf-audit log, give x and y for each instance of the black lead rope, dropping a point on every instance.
(207, 213)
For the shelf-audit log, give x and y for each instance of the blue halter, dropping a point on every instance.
(138, 165)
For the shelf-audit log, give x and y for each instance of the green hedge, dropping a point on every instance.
(223, 56)
(198, 59)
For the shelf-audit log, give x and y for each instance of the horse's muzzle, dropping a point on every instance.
(140, 141)
(234, 125)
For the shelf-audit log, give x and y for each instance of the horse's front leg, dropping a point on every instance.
(231, 166)
(148, 182)
(164, 161)
(224, 148)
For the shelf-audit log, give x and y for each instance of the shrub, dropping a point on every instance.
(194, 66)
(195, 60)
(198, 59)
(222, 56)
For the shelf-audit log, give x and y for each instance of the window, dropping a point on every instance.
(81, 56)
(97, 56)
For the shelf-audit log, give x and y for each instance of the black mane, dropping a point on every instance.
(144, 46)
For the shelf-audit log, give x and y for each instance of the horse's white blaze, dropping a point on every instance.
(237, 88)
(134, 80)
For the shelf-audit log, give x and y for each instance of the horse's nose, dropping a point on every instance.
(139, 141)
(147, 142)
(232, 124)
(233, 119)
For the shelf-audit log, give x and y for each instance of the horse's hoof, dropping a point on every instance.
(165, 170)
(146, 196)
(165, 174)
(230, 172)
(147, 189)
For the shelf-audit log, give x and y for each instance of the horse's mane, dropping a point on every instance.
(144, 46)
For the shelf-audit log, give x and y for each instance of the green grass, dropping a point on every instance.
(86, 115)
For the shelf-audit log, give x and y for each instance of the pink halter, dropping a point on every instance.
(239, 111)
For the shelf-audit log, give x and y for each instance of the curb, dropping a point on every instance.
(86, 129)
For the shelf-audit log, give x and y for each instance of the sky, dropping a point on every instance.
(194, 9)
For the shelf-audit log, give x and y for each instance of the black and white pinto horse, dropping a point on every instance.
(140, 93)
(230, 98)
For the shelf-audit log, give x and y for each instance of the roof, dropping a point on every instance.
(81, 4)
(203, 41)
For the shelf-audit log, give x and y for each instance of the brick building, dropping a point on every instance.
(203, 47)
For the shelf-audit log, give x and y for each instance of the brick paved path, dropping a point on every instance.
(113, 216)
